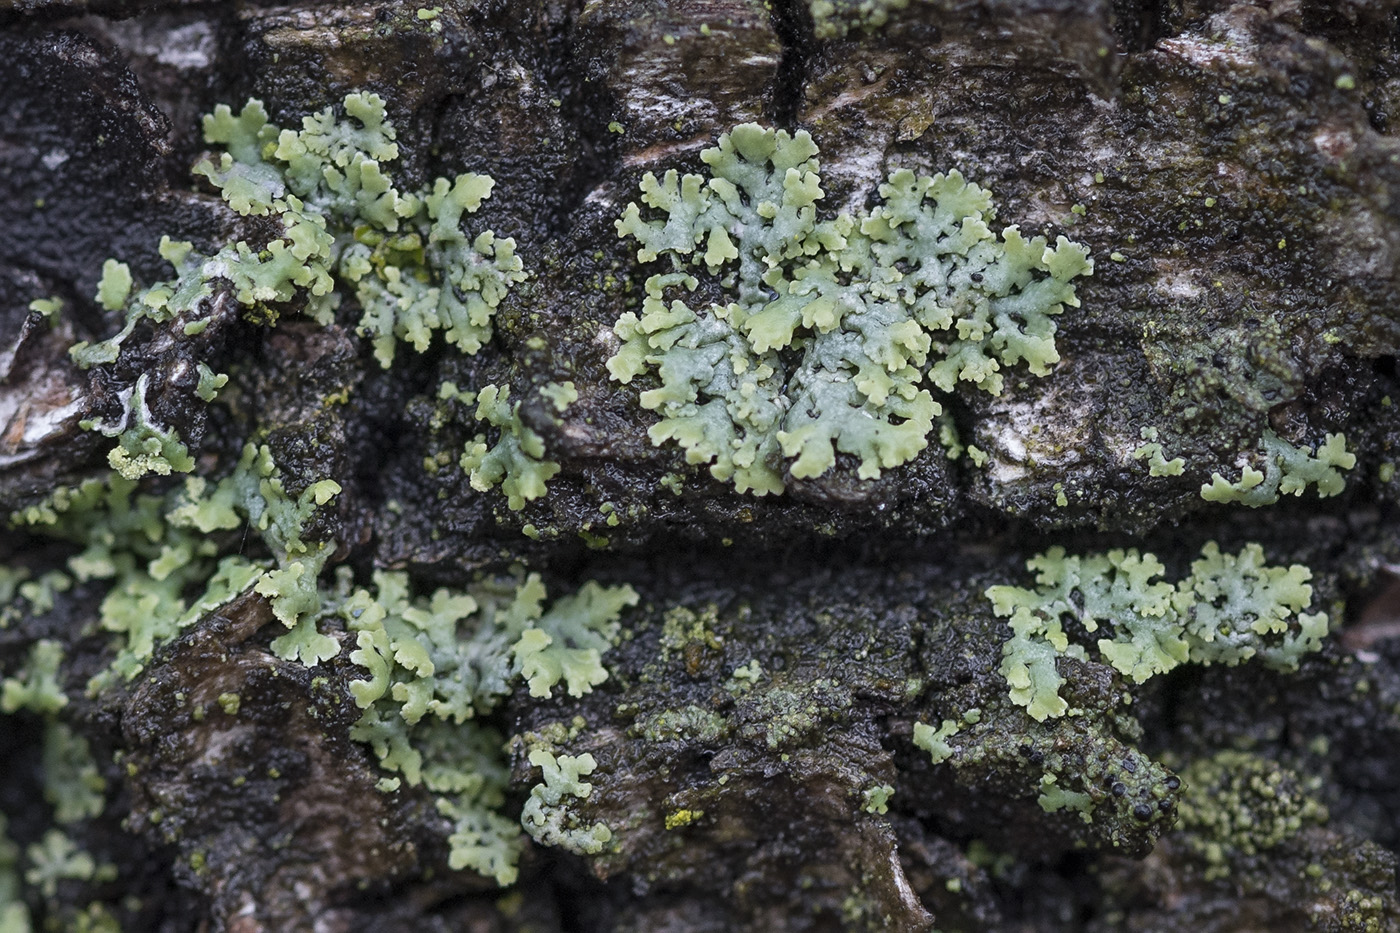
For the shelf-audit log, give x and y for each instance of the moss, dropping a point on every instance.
(822, 333)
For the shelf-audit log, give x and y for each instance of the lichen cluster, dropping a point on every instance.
(1284, 469)
(780, 339)
(1239, 804)
(340, 226)
(1230, 608)
(171, 558)
(438, 663)
(340, 229)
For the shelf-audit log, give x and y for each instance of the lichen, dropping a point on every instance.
(876, 800)
(835, 19)
(516, 461)
(1080, 766)
(57, 858)
(437, 663)
(1157, 462)
(73, 786)
(14, 913)
(142, 446)
(1240, 804)
(1286, 469)
(547, 817)
(1229, 609)
(817, 336)
(171, 558)
(36, 688)
(339, 225)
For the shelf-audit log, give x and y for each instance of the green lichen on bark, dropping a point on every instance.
(1229, 609)
(825, 330)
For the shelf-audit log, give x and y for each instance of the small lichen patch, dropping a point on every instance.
(547, 817)
(142, 446)
(1286, 470)
(1229, 609)
(516, 462)
(1157, 462)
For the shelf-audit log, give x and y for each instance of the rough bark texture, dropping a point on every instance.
(1231, 167)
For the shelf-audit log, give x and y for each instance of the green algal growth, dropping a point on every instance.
(812, 337)
(834, 19)
(1286, 470)
(546, 816)
(338, 226)
(436, 663)
(1237, 804)
(516, 462)
(1229, 609)
(173, 558)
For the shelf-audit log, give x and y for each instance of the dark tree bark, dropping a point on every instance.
(1231, 169)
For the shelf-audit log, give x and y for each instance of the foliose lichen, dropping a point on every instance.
(14, 913)
(340, 227)
(547, 817)
(173, 557)
(438, 663)
(818, 336)
(516, 462)
(1230, 608)
(1284, 469)
(412, 268)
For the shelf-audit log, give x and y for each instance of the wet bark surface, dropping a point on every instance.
(1231, 168)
